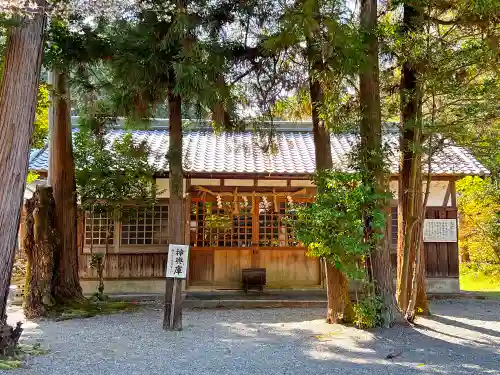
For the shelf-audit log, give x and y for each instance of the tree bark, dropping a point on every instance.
(66, 285)
(18, 98)
(372, 157)
(40, 246)
(410, 174)
(336, 281)
(176, 203)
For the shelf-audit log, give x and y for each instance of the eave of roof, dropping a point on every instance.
(206, 153)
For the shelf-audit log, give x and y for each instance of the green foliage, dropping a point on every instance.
(368, 312)
(97, 262)
(41, 118)
(32, 177)
(20, 352)
(480, 277)
(112, 173)
(479, 206)
(89, 309)
(333, 227)
(9, 364)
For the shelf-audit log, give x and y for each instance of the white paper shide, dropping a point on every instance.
(440, 230)
(177, 261)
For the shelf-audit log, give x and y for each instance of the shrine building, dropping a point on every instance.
(237, 188)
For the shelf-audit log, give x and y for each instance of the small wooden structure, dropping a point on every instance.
(237, 200)
(253, 278)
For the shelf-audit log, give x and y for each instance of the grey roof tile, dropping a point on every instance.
(209, 152)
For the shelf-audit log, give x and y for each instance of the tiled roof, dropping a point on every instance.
(292, 153)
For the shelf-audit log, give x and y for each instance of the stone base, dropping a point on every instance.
(151, 286)
(157, 286)
(443, 285)
(435, 285)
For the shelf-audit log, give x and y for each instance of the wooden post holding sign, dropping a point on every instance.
(175, 272)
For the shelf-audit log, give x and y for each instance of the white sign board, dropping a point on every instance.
(177, 261)
(440, 230)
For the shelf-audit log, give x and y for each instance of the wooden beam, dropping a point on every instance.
(447, 195)
(254, 193)
(453, 193)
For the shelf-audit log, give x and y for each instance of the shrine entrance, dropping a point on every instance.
(233, 230)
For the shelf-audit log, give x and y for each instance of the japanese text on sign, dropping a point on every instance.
(440, 230)
(177, 261)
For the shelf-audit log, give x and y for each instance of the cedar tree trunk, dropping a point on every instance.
(40, 245)
(176, 202)
(18, 97)
(336, 281)
(62, 178)
(372, 158)
(410, 175)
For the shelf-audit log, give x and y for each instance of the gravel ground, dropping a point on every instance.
(463, 337)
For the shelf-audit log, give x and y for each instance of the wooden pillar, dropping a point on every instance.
(255, 232)
(453, 193)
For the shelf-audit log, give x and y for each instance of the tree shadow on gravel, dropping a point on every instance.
(470, 327)
(436, 345)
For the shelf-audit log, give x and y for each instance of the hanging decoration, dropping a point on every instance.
(236, 207)
(264, 198)
(275, 201)
(265, 202)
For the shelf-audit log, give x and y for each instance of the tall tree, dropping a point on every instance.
(410, 198)
(447, 86)
(176, 200)
(61, 176)
(372, 159)
(187, 54)
(337, 284)
(18, 98)
(313, 41)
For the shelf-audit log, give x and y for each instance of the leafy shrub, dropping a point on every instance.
(97, 262)
(333, 227)
(479, 207)
(368, 312)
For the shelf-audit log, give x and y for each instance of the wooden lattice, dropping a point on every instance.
(214, 225)
(394, 227)
(145, 226)
(96, 228)
(275, 228)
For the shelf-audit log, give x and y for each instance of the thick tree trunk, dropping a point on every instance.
(176, 202)
(40, 249)
(372, 157)
(336, 281)
(8, 339)
(66, 285)
(18, 97)
(220, 114)
(410, 176)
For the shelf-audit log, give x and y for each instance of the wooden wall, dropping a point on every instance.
(217, 268)
(221, 268)
(441, 259)
(126, 266)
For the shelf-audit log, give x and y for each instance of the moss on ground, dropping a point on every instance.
(90, 309)
(21, 352)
